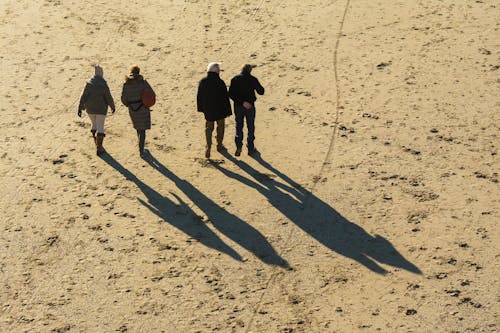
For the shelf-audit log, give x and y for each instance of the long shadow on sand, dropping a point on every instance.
(228, 224)
(318, 219)
(179, 215)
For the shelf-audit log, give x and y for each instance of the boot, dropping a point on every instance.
(99, 140)
(207, 152)
(221, 148)
(252, 151)
(220, 136)
(93, 131)
(141, 134)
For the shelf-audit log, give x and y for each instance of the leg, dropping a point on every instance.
(209, 128)
(141, 135)
(221, 124)
(99, 122)
(239, 114)
(93, 128)
(250, 115)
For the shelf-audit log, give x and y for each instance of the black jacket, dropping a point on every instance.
(212, 98)
(96, 97)
(243, 87)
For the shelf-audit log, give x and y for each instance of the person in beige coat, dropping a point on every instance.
(131, 98)
(95, 98)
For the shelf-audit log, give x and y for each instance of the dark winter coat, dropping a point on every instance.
(96, 97)
(131, 98)
(212, 98)
(243, 87)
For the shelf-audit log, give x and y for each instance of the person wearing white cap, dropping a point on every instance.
(213, 100)
(95, 99)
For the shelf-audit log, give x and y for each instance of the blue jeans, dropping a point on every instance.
(241, 114)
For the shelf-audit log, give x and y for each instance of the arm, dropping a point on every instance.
(199, 97)
(109, 98)
(123, 98)
(226, 100)
(232, 90)
(83, 99)
(258, 87)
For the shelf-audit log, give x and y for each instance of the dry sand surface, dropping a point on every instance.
(373, 205)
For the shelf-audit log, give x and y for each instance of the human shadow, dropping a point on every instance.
(179, 215)
(228, 224)
(319, 219)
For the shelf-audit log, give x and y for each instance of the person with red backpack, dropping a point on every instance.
(138, 96)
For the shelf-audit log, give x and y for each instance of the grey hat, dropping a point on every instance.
(98, 71)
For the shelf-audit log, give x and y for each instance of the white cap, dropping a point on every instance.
(213, 67)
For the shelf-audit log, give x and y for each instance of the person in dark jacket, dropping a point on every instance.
(213, 101)
(132, 98)
(96, 98)
(242, 92)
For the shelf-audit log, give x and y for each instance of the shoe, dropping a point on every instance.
(145, 154)
(237, 152)
(93, 136)
(99, 140)
(221, 148)
(252, 151)
(207, 153)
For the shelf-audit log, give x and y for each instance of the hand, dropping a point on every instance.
(79, 113)
(247, 105)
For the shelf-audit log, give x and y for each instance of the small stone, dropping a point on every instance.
(411, 312)
(382, 65)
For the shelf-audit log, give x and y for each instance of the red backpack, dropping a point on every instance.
(148, 96)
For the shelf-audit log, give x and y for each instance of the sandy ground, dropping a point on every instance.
(371, 207)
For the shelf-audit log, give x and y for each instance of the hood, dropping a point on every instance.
(134, 78)
(97, 80)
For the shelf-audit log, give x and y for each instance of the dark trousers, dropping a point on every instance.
(209, 128)
(241, 114)
(141, 135)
